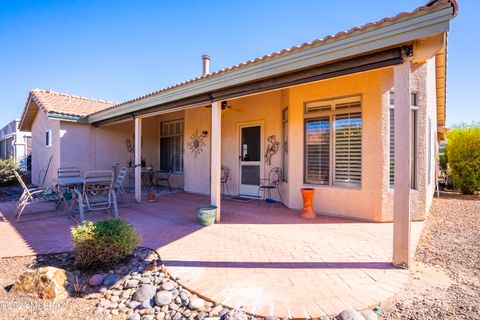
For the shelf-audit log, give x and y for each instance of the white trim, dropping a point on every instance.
(240, 126)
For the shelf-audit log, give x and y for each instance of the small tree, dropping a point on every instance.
(7, 166)
(463, 154)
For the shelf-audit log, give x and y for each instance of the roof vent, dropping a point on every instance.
(206, 64)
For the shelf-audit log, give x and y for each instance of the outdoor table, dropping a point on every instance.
(70, 183)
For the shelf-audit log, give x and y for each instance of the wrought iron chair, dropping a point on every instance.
(271, 182)
(33, 195)
(224, 179)
(163, 177)
(118, 186)
(97, 193)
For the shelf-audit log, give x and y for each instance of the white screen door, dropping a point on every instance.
(250, 159)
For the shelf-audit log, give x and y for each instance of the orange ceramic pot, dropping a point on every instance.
(307, 195)
(150, 197)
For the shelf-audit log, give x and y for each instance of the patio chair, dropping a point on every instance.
(33, 195)
(97, 194)
(270, 183)
(66, 172)
(224, 179)
(163, 176)
(118, 186)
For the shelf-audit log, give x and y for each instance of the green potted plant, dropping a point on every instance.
(207, 215)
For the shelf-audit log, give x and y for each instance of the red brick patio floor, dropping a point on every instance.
(262, 257)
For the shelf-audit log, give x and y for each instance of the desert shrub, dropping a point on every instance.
(7, 166)
(463, 154)
(103, 244)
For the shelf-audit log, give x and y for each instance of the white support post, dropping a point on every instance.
(215, 162)
(138, 160)
(401, 203)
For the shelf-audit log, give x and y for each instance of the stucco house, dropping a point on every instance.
(355, 115)
(15, 144)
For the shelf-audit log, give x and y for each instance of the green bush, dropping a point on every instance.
(7, 166)
(463, 154)
(103, 244)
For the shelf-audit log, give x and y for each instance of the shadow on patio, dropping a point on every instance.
(263, 257)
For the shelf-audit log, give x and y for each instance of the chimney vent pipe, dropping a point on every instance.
(206, 64)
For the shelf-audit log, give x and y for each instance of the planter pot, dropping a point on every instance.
(307, 195)
(150, 197)
(207, 215)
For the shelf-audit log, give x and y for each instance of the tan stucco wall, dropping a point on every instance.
(363, 202)
(41, 153)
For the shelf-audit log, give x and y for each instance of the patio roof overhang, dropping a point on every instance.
(373, 47)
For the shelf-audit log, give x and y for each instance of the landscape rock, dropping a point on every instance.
(96, 280)
(110, 279)
(134, 316)
(237, 314)
(196, 303)
(129, 284)
(146, 291)
(147, 304)
(163, 298)
(168, 286)
(45, 283)
(350, 314)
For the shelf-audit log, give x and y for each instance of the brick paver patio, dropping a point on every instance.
(264, 258)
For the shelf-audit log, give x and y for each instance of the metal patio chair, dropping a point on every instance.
(163, 177)
(118, 186)
(270, 183)
(33, 195)
(97, 194)
(224, 179)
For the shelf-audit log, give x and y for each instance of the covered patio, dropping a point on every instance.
(262, 257)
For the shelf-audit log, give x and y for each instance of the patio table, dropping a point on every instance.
(70, 183)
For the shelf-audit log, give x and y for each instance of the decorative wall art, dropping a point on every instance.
(197, 142)
(272, 148)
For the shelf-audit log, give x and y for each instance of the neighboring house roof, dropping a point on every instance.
(57, 104)
(429, 6)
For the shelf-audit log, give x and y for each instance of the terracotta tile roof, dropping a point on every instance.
(330, 38)
(67, 104)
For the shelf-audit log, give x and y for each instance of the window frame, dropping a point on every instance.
(414, 118)
(48, 138)
(323, 111)
(285, 124)
(182, 142)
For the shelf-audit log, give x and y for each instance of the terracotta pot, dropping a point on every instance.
(307, 195)
(150, 197)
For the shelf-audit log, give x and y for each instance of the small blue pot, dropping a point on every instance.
(207, 215)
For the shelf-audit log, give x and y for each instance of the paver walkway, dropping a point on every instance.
(264, 258)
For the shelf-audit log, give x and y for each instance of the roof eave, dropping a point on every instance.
(422, 24)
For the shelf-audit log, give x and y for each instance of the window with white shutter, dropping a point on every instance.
(413, 146)
(171, 146)
(333, 142)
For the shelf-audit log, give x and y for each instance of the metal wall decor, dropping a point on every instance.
(197, 142)
(272, 148)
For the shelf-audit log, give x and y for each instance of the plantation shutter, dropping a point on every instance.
(392, 147)
(317, 149)
(171, 148)
(348, 147)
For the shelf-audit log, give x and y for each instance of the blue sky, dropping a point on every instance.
(116, 50)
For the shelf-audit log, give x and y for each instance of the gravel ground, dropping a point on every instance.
(22, 306)
(446, 279)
